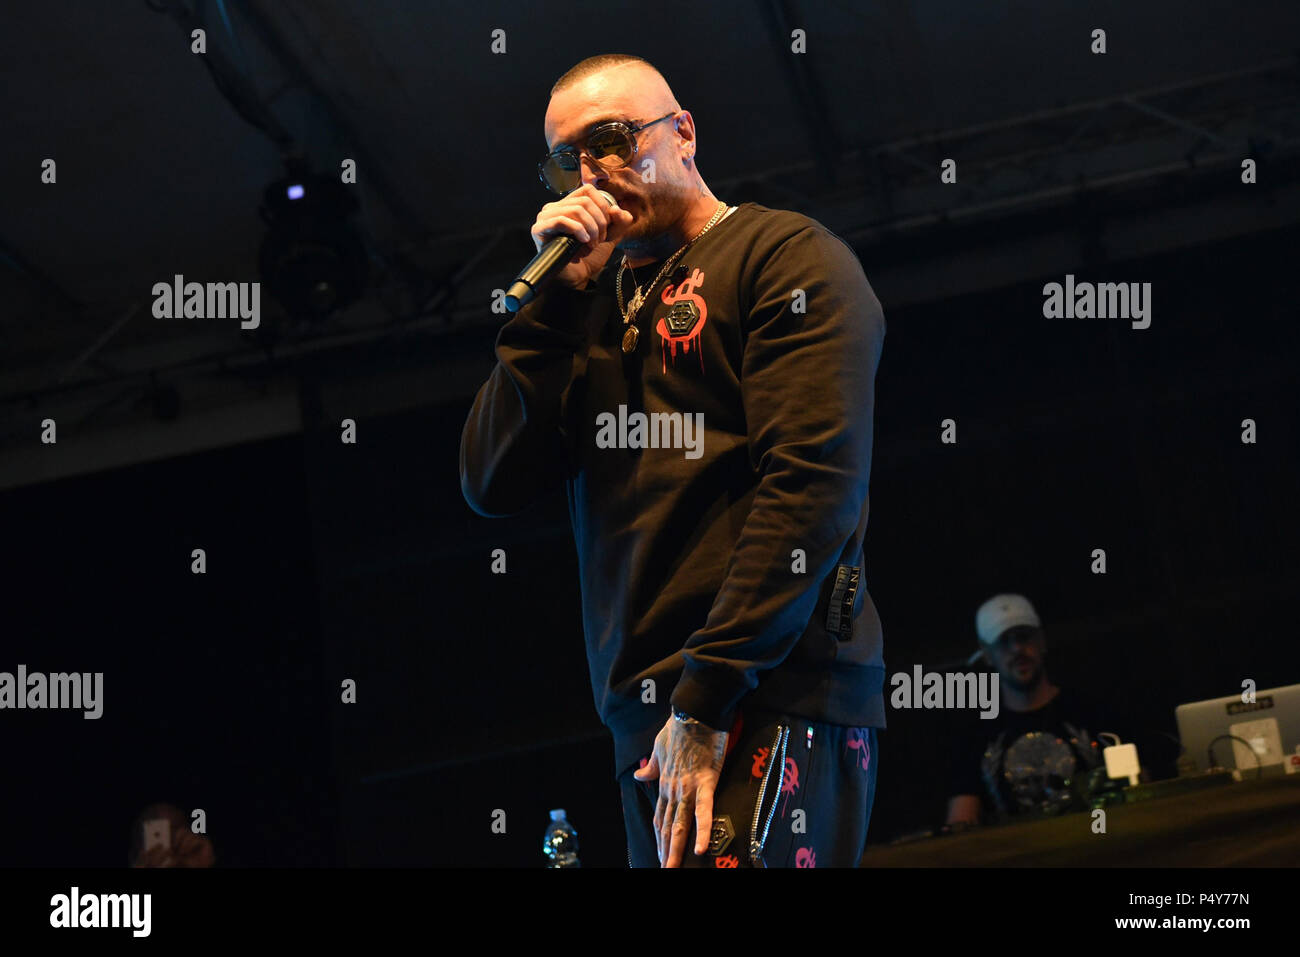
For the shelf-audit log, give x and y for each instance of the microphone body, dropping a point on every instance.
(550, 259)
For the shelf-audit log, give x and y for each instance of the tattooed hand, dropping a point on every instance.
(687, 760)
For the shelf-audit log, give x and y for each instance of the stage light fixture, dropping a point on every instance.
(312, 260)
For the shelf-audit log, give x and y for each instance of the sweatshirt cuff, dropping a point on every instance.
(561, 308)
(711, 694)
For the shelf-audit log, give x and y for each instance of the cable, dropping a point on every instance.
(230, 73)
(234, 40)
(1259, 768)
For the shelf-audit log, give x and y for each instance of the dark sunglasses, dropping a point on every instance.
(610, 145)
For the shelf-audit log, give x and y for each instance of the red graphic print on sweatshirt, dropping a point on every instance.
(684, 321)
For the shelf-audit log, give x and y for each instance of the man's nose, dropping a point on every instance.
(593, 173)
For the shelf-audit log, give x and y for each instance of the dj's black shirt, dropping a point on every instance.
(1026, 761)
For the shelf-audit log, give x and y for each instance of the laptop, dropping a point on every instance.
(1242, 735)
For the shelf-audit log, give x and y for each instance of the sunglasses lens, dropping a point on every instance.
(610, 148)
(560, 173)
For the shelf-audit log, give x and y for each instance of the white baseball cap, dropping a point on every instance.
(1002, 612)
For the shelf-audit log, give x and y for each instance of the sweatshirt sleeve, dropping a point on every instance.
(513, 446)
(808, 388)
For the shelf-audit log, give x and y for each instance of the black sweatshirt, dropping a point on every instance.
(720, 567)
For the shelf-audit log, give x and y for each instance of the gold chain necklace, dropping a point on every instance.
(632, 334)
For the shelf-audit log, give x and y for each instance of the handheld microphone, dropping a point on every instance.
(550, 259)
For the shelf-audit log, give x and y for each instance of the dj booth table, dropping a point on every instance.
(1240, 824)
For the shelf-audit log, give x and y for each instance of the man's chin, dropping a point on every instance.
(633, 241)
(1024, 681)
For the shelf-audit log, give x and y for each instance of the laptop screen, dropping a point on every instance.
(1253, 729)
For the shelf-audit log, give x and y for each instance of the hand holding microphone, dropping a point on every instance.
(575, 236)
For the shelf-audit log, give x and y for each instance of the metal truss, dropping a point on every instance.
(1037, 158)
(867, 194)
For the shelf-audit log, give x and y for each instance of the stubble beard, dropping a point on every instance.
(649, 236)
(1029, 684)
(643, 237)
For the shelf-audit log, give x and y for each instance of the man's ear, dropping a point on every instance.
(677, 129)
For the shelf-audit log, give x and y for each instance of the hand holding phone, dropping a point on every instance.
(157, 833)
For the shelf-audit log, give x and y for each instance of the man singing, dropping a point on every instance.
(701, 379)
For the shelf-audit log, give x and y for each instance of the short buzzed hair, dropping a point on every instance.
(594, 64)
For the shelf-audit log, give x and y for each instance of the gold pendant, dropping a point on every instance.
(630, 337)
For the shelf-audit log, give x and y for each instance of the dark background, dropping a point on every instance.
(329, 561)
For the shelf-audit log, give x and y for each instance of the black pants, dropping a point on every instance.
(814, 808)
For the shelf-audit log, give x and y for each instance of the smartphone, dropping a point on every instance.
(157, 833)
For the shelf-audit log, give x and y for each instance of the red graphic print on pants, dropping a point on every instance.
(857, 740)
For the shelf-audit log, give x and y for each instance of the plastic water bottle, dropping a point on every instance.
(561, 843)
